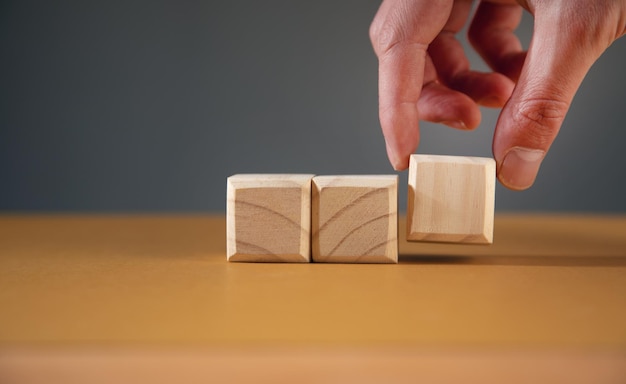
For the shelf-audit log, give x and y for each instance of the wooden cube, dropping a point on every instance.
(268, 218)
(451, 199)
(354, 219)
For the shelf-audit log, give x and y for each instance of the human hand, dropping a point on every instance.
(425, 75)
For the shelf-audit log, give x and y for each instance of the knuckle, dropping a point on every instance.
(539, 119)
(392, 28)
(543, 111)
(373, 32)
(408, 22)
(385, 35)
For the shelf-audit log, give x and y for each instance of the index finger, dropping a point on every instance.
(400, 34)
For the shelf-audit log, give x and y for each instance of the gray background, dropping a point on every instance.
(150, 105)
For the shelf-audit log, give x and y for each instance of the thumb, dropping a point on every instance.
(559, 56)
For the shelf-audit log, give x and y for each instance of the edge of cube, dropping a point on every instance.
(250, 181)
(387, 181)
(486, 236)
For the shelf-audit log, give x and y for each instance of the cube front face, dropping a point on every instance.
(354, 219)
(269, 218)
(451, 199)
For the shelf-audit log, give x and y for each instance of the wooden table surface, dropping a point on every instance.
(153, 297)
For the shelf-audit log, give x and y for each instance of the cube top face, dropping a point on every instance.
(354, 219)
(451, 199)
(268, 218)
(270, 180)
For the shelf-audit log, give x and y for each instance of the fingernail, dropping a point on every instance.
(458, 124)
(520, 166)
(391, 154)
(394, 159)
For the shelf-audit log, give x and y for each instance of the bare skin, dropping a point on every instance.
(425, 75)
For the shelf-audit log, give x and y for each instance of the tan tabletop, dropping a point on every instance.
(154, 297)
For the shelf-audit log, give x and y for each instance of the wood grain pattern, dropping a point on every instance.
(451, 199)
(354, 219)
(269, 218)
